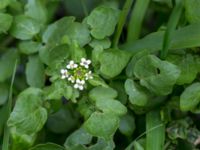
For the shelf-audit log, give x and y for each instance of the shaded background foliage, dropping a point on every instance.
(145, 63)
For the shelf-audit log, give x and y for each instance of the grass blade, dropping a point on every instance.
(186, 37)
(155, 138)
(121, 22)
(136, 20)
(172, 23)
(6, 136)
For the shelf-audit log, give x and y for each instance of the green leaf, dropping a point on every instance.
(103, 145)
(35, 72)
(192, 11)
(57, 54)
(62, 121)
(156, 75)
(24, 28)
(29, 47)
(36, 10)
(102, 93)
(185, 37)
(102, 21)
(7, 63)
(190, 97)
(79, 137)
(188, 65)
(4, 3)
(111, 106)
(100, 44)
(66, 31)
(47, 146)
(155, 131)
(5, 22)
(102, 125)
(3, 93)
(137, 94)
(119, 58)
(57, 90)
(131, 65)
(127, 125)
(27, 117)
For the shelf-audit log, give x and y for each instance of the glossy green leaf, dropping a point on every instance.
(27, 117)
(111, 106)
(78, 137)
(127, 125)
(3, 93)
(192, 11)
(36, 9)
(4, 3)
(156, 75)
(35, 72)
(190, 97)
(137, 94)
(102, 21)
(103, 145)
(7, 62)
(62, 121)
(47, 146)
(29, 47)
(24, 28)
(102, 93)
(102, 44)
(57, 54)
(102, 125)
(188, 64)
(119, 58)
(67, 31)
(5, 22)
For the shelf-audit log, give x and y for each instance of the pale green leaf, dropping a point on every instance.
(102, 125)
(35, 72)
(5, 22)
(102, 21)
(190, 97)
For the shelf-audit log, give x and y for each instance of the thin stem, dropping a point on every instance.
(171, 26)
(121, 22)
(85, 11)
(137, 17)
(141, 135)
(6, 136)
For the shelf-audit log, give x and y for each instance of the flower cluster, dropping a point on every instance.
(77, 74)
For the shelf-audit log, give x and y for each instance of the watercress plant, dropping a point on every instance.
(99, 74)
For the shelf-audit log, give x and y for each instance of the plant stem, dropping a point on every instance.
(137, 17)
(122, 19)
(6, 136)
(85, 11)
(171, 26)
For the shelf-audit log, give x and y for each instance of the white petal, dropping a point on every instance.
(75, 65)
(80, 87)
(82, 81)
(62, 71)
(71, 62)
(88, 61)
(78, 81)
(86, 66)
(63, 77)
(76, 86)
(83, 59)
(68, 67)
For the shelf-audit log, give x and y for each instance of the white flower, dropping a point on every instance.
(72, 65)
(85, 62)
(72, 79)
(64, 73)
(88, 75)
(79, 84)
